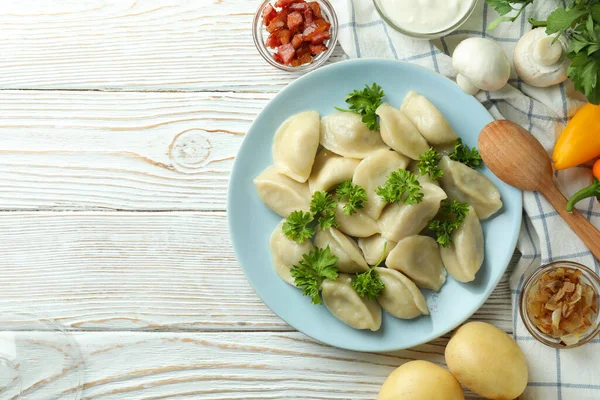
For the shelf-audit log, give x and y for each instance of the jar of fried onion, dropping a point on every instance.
(559, 304)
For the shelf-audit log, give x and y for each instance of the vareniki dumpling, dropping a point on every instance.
(402, 220)
(350, 259)
(286, 253)
(428, 119)
(375, 248)
(372, 172)
(329, 170)
(295, 145)
(282, 194)
(400, 297)
(399, 133)
(469, 186)
(357, 225)
(418, 257)
(465, 255)
(347, 306)
(345, 134)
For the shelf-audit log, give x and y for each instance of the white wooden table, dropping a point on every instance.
(119, 123)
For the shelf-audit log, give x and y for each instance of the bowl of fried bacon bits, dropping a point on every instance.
(559, 304)
(295, 35)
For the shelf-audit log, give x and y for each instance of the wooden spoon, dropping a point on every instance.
(516, 157)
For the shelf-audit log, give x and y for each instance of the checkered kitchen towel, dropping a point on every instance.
(567, 374)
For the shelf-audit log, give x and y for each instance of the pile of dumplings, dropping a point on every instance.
(313, 154)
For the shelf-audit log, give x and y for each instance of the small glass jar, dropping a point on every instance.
(588, 277)
(429, 35)
(260, 34)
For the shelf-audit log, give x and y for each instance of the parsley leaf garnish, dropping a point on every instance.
(353, 195)
(297, 226)
(401, 186)
(312, 270)
(365, 103)
(428, 164)
(466, 155)
(369, 284)
(323, 208)
(450, 217)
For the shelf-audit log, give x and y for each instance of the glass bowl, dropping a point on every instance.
(588, 276)
(425, 36)
(260, 34)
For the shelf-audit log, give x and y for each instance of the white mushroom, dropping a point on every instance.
(481, 64)
(538, 61)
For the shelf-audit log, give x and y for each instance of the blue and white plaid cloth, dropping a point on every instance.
(566, 374)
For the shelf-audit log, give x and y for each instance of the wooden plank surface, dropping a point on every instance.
(120, 151)
(141, 271)
(235, 365)
(134, 45)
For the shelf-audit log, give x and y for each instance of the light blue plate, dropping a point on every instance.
(251, 223)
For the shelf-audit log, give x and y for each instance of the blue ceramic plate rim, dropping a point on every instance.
(238, 172)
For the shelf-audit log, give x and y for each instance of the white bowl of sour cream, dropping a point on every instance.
(425, 19)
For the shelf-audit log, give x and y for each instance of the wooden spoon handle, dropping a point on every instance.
(581, 226)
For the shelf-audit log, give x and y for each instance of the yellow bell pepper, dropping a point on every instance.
(580, 141)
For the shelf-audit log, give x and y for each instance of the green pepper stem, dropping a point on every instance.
(591, 191)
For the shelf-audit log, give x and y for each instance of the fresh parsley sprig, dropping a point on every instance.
(313, 269)
(354, 197)
(365, 102)
(504, 7)
(297, 226)
(369, 284)
(466, 155)
(428, 164)
(451, 216)
(323, 207)
(402, 186)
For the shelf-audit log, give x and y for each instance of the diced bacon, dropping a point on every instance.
(303, 49)
(320, 37)
(273, 40)
(308, 16)
(298, 6)
(309, 30)
(316, 9)
(277, 58)
(285, 3)
(287, 52)
(275, 25)
(296, 62)
(317, 48)
(320, 25)
(294, 20)
(285, 36)
(297, 40)
(268, 14)
(306, 58)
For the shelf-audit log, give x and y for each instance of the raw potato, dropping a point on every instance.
(487, 361)
(420, 380)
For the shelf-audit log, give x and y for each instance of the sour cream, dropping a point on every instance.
(425, 16)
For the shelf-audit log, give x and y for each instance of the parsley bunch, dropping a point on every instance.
(450, 217)
(369, 284)
(466, 155)
(402, 186)
(312, 270)
(428, 164)
(365, 103)
(353, 195)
